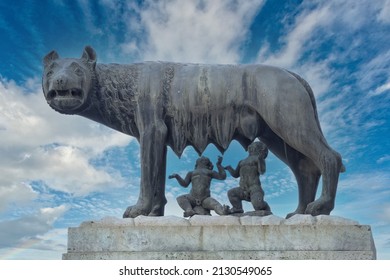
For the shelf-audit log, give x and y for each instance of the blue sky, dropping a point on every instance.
(57, 171)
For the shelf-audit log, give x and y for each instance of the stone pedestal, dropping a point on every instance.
(221, 237)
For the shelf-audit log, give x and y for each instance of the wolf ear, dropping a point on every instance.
(50, 57)
(89, 55)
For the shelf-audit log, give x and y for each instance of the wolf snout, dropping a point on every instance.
(60, 83)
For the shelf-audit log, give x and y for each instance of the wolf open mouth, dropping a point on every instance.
(73, 93)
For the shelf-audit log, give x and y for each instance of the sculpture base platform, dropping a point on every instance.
(221, 237)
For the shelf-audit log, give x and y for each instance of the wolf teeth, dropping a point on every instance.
(69, 93)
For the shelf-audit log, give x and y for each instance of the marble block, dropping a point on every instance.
(221, 237)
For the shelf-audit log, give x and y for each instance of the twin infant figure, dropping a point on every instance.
(199, 200)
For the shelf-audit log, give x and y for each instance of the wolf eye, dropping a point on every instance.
(48, 74)
(78, 72)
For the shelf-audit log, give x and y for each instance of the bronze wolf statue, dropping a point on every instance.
(170, 104)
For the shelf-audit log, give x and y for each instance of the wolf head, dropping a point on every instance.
(68, 82)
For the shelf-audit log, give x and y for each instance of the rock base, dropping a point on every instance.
(221, 237)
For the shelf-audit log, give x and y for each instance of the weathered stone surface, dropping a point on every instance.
(271, 220)
(202, 220)
(160, 221)
(109, 221)
(224, 255)
(261, 220)
(300, 219)
(224, 237)
(334, 220)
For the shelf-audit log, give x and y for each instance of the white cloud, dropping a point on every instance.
(365, 182)
(369, 72)
(366, 197)
(297, 38)
(335, 22)
(64, 168)
(37, 143)
(27, 228)
(319, 74)
(88, 17)
(381, 89)
(18, 194)
(194, 31)
(383, 159)
(384, 13)
(26, 120)
(341, 26)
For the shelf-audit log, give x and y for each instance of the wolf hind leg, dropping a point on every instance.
(305, 171)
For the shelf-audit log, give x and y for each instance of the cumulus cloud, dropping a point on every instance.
(27, 228)
(37, 143)
(64, 168)
(24, 113)
(18, 194)
(193, 31)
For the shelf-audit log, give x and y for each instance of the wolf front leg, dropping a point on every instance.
(151, 200)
